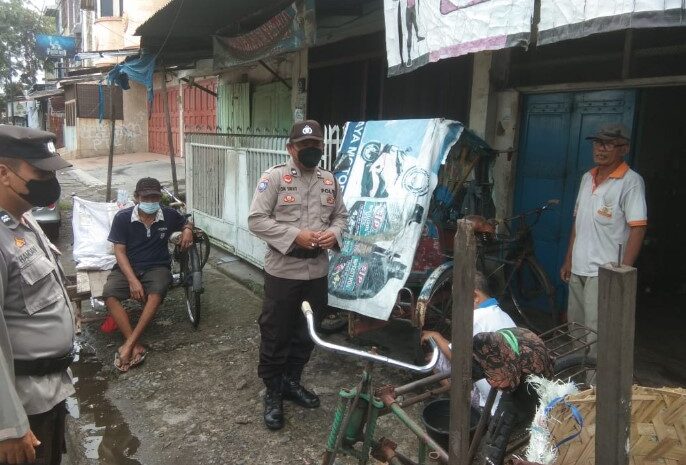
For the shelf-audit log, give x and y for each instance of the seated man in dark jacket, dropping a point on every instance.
(140, 235)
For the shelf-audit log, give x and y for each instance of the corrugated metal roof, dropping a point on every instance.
(45, 93)
(203, 18)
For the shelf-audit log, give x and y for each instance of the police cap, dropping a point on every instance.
(303, 130)
(31, 145)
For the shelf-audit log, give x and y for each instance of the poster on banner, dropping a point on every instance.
(290, 30)
(387, 171)
(423, 31)
(572, 19)
(55, 47)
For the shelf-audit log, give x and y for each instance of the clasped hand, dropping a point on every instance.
(311, 239)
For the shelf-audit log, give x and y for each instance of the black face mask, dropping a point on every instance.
(310, 156)
(41, 193)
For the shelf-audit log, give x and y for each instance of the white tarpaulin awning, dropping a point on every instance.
(572, 19)
(423, 31)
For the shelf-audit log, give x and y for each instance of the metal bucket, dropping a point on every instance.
(436, 419)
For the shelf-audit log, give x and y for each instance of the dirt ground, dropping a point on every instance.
(197, 398)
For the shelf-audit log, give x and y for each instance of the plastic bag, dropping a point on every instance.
(91, 224)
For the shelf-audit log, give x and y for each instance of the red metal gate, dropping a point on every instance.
(55, 122)
(199, 115)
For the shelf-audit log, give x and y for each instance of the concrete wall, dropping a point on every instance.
(108, 34)
(117, 32)
(494, 116)
(92, 138)
(136, 12)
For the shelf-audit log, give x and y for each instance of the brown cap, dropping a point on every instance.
(148, 186)
(308, 129)
(611, 131)
(31, 145)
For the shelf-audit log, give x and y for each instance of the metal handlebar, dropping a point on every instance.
(309, 316)
(177, 201)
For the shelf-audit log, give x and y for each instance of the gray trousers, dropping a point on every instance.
(582, 306)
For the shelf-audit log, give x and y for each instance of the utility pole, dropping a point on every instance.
(110, 160)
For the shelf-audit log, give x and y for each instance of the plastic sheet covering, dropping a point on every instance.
(571, 19)
(139, 69)
(91, 224)
(388, 172)
(423, 31)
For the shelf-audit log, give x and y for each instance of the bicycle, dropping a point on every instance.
(187, 264)
(355, 420)
(507, 258)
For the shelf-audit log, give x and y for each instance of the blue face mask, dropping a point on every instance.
(149, 207)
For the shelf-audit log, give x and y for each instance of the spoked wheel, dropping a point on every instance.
(191, 275)
(440, 304)
(202, 242)
(579, 368)
(532, 294)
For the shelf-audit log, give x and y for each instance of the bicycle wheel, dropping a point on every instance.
(439, 305)
(202, 241)
(532, 294)
(579, 368)
(192, 283)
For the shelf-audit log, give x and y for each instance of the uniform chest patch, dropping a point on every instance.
(19, 241)
(289, 199)
(288, 179)
(262, 185)
(328, 182)
(330, 200)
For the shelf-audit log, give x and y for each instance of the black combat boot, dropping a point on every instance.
(273, 403)
(293, 390)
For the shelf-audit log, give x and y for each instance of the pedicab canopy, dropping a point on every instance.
(388, 172)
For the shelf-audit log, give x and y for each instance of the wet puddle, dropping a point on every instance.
(106, 436)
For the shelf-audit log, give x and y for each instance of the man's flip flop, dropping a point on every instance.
(119, 365)
(138, 359)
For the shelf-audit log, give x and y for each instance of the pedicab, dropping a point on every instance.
(406, 184)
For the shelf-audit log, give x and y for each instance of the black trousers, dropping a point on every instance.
(286, 344)
(49, 428)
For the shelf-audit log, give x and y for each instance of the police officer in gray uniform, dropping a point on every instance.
(298, 211)
(36, 319)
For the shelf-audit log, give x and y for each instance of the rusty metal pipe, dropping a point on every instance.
(400, 390)
(426, 395)
(419, 432)
(309, 316)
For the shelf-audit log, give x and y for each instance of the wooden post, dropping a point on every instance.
(616, 312)
(462, 328)
(170, 137)
(110, 159)
(626, 58)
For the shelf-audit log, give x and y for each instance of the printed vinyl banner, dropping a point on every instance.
(288, 31)
(55, 47)
(387, 171)
(423, 31)
(571, 19)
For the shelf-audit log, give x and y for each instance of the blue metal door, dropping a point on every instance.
(552, 158)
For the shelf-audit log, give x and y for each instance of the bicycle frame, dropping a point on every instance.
(358, 409)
